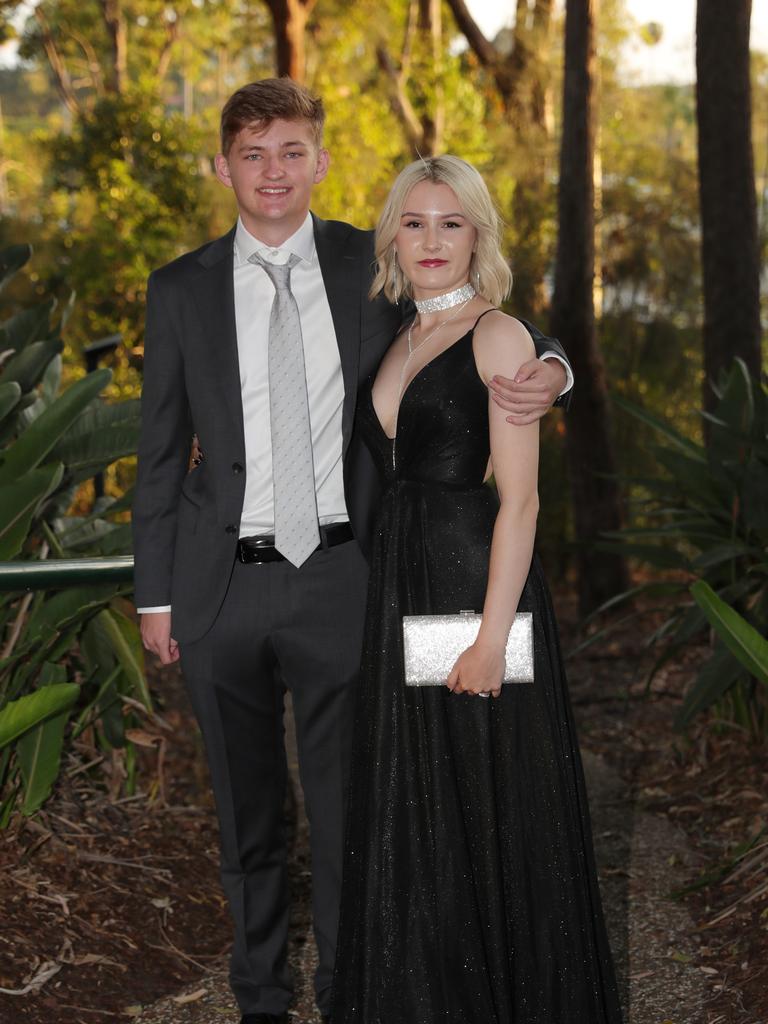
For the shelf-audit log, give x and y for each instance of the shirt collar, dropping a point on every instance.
(301, 244)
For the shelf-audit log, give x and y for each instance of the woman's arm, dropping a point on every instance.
(502, 345)
(542, 382)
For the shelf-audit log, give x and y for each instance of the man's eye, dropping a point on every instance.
(253, 156)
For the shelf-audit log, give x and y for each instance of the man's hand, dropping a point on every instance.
(536, 386)
(156, 636)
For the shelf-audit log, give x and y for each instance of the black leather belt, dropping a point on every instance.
(262, 549)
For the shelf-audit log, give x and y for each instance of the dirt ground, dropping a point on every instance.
(112, 909)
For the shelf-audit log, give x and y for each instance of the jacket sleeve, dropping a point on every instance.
(544, 344)
(163, 455)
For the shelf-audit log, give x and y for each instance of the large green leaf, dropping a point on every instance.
(19, 716)
(39, 754)
(125, 641)
(26, 326)
(739, 636)
(46, 393)
(689, 448)
(19, 502)
(67, 606)
(691, 476)
(714, 680)
(662, 556)
(755, 503)
(12, 259)
(104, 669)
(720, 553)
(101, 435)
(10, 393)
(41, 436)
(28, 366)
(39, 750)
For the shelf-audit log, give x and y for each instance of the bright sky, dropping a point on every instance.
(672, 59)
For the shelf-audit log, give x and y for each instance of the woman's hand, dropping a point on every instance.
(479, 669)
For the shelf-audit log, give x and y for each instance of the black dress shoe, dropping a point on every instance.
(264, 1018)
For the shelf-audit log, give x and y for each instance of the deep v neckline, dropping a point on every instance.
(415, 377)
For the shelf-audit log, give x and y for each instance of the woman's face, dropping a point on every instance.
(435, 240)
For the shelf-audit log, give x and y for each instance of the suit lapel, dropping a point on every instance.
(340, 267)
(214, 297)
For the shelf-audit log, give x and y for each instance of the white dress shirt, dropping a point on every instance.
(254, 293)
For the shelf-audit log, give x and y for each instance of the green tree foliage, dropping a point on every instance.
(705, 518)
(127, 190)
(62, 651)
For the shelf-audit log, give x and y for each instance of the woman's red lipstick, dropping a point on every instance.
(432, 263)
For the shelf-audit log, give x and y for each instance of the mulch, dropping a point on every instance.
(109, 904)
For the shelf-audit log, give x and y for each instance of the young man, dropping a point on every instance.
(257, 342)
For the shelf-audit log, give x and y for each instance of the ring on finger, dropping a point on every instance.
(483, 695)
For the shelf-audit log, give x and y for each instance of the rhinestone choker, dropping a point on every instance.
(440, 302)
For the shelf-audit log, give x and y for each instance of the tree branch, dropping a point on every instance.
(57, 65)
(171, 35)
(114, 22)
(92, 61)
(483, 49)
(401, 105)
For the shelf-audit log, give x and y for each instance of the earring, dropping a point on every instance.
(395, 276)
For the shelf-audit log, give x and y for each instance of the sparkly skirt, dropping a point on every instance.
(469, 894)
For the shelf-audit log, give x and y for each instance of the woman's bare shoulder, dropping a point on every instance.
(501, 340)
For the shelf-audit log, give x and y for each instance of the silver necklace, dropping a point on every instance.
(440, 302)
(442, 323)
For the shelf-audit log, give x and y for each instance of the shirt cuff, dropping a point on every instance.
(150, 611)
(568, 371)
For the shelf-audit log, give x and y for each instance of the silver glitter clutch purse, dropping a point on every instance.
(432, 643)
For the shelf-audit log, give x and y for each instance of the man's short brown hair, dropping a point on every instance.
(260, 103)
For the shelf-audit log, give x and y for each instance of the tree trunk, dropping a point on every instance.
(433, 120)
(589, 446)
(530, 203)
(289, 18)
(521, 79)
(729, 243)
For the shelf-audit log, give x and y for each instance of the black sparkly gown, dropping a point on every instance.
(469, 893)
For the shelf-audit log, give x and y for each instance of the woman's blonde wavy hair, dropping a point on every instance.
(488, 271)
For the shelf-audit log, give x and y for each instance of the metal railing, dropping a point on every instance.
(55, 573)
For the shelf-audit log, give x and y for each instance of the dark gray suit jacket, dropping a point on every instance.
(185, 525)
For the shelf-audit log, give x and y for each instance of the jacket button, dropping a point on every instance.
(231, 528)
(236, 467)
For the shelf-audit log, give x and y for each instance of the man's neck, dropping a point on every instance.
(272, 234)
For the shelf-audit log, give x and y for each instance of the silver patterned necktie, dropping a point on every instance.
(293, 473)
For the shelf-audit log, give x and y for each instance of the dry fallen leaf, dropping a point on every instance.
(190, 997)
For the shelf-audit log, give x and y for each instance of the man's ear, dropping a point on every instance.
(323, 163)
(221, 166)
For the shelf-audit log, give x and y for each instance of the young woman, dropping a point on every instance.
(469, 893)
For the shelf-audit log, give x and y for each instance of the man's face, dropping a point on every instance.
(272, 173)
